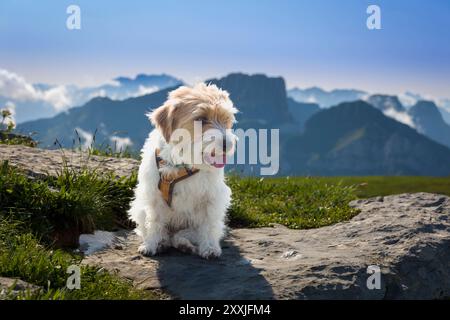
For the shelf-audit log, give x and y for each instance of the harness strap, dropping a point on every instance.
(165, 185)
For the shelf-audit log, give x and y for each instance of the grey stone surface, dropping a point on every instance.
(407, 236)
(40, 162)
(11, 287)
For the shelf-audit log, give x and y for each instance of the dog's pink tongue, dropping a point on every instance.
(221, 165)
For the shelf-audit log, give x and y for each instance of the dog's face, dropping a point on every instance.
(197, 123)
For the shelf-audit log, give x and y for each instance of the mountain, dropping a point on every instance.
(386, 102)
(429, 121)
(409, 99)
(302, 111)
(325, 98)
(444, 108)
(124, 87)
(445, 115)
(112, 120)
(261, 100)
(355, 138)
(391, 107)
(38, 101)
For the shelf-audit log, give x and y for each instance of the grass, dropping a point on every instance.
(23, 256)
(367, 187)
(34, 211)
(7, 125)
(103, 149)
(300, 203)
(85, 200)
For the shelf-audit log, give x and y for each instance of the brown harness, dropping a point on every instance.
(166, 185)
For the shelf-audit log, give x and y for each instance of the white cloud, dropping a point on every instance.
(86, 138)
(400, 116)
(13, 86)
(407, 100)
(58, 97)
(98, 93)
(444, 104)
(121, 143)
(142, 90)
(311, 99)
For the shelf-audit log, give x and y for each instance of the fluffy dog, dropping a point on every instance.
(194, 219)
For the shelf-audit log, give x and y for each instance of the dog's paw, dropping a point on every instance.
(147, 250)
(210, 251)
(183, 244)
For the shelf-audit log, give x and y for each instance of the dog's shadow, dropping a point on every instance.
(229, 277)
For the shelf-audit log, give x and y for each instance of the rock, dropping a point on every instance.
(10, 288)
(40, 162)
(406, 236)
(5, 136)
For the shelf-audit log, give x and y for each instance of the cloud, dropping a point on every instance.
(86, 138)
(121, 143)
(444, 104)
(13, 86)
(400, 116)
(58, 97)
(142, 90)
(311, 99)
(408, 99)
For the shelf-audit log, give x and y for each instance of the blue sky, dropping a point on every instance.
(321, 42)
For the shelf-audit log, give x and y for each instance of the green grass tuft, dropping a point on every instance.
(23, 256)
(85, 200)
(299, 203)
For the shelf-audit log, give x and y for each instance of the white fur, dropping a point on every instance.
(194, 222)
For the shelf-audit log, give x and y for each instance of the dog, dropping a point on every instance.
(189, 214)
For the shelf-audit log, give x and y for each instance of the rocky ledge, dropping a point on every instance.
(11, 288)
(406, 237)
(41, 162)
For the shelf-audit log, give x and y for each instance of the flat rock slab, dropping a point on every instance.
(40, 163)
(407, 236)
(11, 287)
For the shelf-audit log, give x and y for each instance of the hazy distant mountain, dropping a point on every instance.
(429, 121)
(113, 120)
(409, 99)
(302, 111)
(391, 107)
(424, 116)
(261, 100)
(357, 139)
(386, 102)
(351, 139)
(44, 100)
(445, 115)
(325, 98)
(444, 108)
(124, 87)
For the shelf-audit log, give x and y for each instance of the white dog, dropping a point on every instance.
(178, 201)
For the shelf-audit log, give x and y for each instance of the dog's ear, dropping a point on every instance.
(162, 120)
